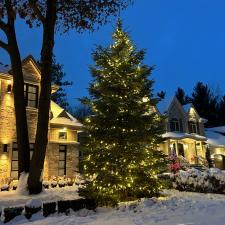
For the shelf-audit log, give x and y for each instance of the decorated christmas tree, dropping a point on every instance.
(121, 160)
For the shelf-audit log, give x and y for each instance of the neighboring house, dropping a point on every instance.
(216, 141)
(62, 156)
(184, 130)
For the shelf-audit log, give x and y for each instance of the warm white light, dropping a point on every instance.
(145, 99)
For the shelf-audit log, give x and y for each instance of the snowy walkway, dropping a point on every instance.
(178, 208)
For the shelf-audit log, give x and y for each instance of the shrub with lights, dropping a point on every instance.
(121, 161)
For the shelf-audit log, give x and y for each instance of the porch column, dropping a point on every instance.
(176, 147)
(168, 147)
(196, 152)
(202, 149)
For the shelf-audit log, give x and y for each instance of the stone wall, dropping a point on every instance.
(52, 160)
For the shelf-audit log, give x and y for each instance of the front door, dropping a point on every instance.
(180, 149)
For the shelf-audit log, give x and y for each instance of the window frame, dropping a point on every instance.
(62, 132)
(62, 160)
(191, 126)
(15, 149)
(174, 123)
(26, 94)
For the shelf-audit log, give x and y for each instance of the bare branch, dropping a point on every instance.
(4, 46)
(3, 26)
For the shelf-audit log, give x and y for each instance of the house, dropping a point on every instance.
(216, 141)
(184, 130)
(62, 156)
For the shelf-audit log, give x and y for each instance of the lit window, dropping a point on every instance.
(62, 160)
(31, 95)
(14, 163)
(62, 135)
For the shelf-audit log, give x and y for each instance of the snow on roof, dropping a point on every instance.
(179, 135)
(215, 138)
(164, 104)
(220, 129)
(56, 109)
(61, 117)
(65, 121)
(187, 107)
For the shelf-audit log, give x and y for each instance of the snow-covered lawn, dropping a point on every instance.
(12, 198)
(178, 208)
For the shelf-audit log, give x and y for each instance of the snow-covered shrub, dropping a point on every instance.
(70, 182)
(61, 183)
(64, 207)
(14, 184)
(11, 213)
(32, 206)
(5, 187)
(45, 184)
(49, 208)
(53, 183)
(209, 181)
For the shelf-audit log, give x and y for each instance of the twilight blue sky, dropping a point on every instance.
(185, 39)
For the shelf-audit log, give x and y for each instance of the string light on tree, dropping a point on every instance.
(121, 151)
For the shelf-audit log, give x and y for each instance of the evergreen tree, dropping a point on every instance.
(81, 112)
(205, 103)
(58, 76)
(221, 111)
(121, 157)
(182, 98)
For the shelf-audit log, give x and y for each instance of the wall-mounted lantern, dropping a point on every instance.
(9, 88)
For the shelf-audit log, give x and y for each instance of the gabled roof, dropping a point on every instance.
(164, 104)
(187, 107)
(29, 66)
(63, 118)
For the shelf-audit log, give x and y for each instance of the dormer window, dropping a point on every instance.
(193, 127)
(174, 125)
(31, 95)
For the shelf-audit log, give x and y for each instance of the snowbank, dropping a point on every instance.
(173, 209)
(209, 181)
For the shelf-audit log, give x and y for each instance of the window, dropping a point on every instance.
(174, 125)
(62, 135)
(31, 95)
(14, 164)
(193, 127)
(62, 160)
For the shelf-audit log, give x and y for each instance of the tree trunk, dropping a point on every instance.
(19, 101)
(37, 162)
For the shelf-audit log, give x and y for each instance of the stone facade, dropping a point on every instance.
(8, 129)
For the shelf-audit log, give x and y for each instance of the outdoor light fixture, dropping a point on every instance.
(5, 148)
(9, 88)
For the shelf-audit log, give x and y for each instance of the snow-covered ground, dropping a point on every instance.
(177, 208)
(13, 198)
